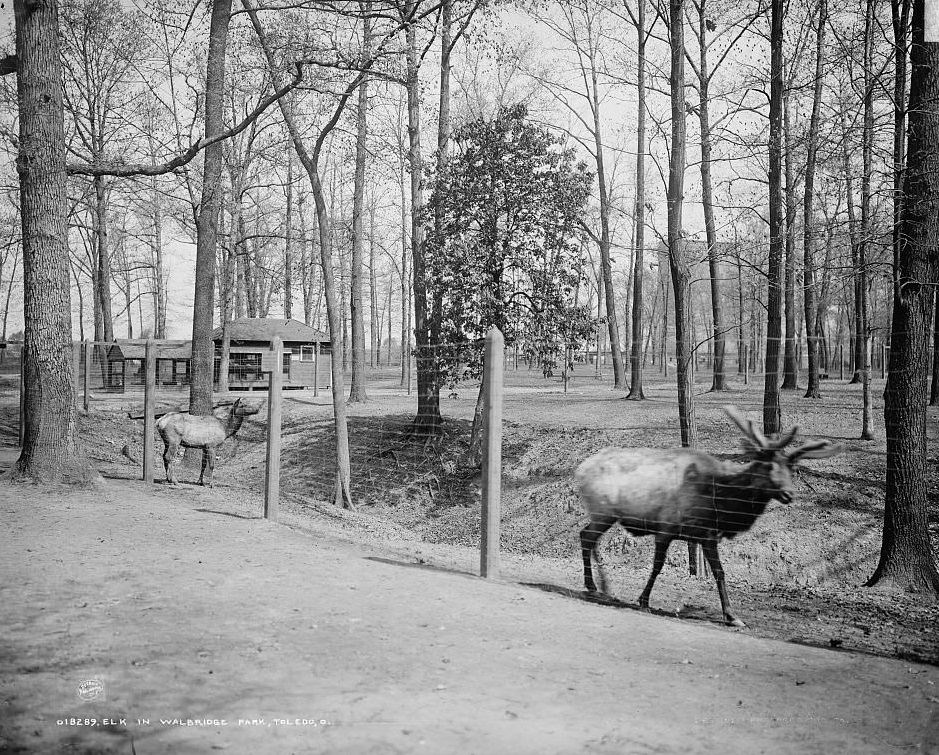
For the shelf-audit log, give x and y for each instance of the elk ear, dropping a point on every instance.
(821, 449)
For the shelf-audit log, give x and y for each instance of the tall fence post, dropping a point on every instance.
(225, 360)
(492, 456)
(149, 407)
(746, 365)
(274, 401)
(22, 427)
(316, 369)
(86, 378)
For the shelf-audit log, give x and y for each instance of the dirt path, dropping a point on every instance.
(181, 606)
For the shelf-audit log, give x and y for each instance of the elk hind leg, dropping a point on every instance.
(589, 537)
(208, 464)
(169, 460)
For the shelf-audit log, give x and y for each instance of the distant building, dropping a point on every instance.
(307, 353)
(125, 363)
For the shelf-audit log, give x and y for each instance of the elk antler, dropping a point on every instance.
(819, 449)
(785, 439)
(751, 435)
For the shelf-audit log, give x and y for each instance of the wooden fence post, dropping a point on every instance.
(841, 361)
(149, 405)
(746, 365)
(316, 369)
(274, 401)
(87, 376)
(223, 363)
(492, 457)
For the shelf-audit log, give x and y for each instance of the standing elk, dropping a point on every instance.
(207, 432)
(683, 494)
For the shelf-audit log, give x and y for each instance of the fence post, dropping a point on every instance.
(274, 401)
(149, 405)
(223, 363)
(316, 369)
(22, 427)
(492, 457)
(77, 368)
(746, 365)
(87, 376)
(841, 361)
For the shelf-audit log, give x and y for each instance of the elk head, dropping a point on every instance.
(772, 465)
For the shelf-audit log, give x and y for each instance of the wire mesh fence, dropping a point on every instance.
(417, 447)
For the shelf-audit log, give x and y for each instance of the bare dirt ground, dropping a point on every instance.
(368, 629)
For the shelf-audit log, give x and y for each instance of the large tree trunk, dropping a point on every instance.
(677, 254)
(203, 352)
(428, 420)
(934, 385)
(907, 560)
(357, 391)
(772, 411)
(810, 301)
(50, 440)
(636, 356)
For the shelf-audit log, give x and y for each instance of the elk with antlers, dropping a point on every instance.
(683, 494)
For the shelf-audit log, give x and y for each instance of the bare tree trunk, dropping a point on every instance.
(677, 254)
(50, 440)
(310, 162)
(718, 380)
(606, 267)
(772, 411)
(900, 17)
(863, 327)
(790, 365)
(288, 244)
(808, 232)
(428, 420)
(907, 560)
(375, 321)
(637, 358)
(357, 391)
(203, 352)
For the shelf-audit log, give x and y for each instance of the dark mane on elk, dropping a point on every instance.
(689, 495)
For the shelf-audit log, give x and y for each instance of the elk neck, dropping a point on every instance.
(233, 423)
(741, 497)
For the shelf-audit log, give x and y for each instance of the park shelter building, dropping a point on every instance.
(306, 361)
(125, 363)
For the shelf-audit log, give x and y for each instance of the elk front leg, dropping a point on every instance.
(589, 537)
(208, 463)
(714, 561)
(658, 561)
